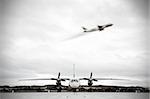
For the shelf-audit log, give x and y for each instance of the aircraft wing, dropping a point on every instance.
(40, 79)
(104, 26)
(108, 25)
(63, 79)
(108, 79)
(83, 78)
(95, 79)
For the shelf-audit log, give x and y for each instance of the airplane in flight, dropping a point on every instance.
(98, 28)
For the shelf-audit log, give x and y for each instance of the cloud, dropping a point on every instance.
(32, 34)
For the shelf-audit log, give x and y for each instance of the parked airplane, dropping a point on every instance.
(99, 28)
(74, 83)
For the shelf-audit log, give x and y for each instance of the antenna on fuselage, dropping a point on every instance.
(73, 70)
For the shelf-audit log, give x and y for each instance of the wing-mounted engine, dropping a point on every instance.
(90, 80)
(58, 80)
(100, 28)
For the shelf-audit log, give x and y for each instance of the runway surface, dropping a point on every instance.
(74, 95)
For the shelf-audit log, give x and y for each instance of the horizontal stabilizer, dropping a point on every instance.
(84, 28)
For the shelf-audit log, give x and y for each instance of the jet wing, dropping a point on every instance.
(108, 25)
(104, 26)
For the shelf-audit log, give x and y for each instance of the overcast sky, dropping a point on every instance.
(34, 39)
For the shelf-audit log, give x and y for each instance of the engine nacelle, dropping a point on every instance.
(90, 82)
(58, 83)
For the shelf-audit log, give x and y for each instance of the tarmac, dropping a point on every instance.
(83, 88)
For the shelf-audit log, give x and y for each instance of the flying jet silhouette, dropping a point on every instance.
(98, 28)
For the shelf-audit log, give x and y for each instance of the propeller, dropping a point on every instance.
(58, 80)
(90, 79)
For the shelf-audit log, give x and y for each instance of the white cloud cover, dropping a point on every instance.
(34, 33)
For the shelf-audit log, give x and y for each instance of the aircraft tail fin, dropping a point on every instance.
(73, 70)
(84, 29)
(59, 75)
(91, 75)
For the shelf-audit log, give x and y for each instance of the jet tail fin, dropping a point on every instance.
(84, 29)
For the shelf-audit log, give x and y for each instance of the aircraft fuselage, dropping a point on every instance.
(98, 28)
(74, 83)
